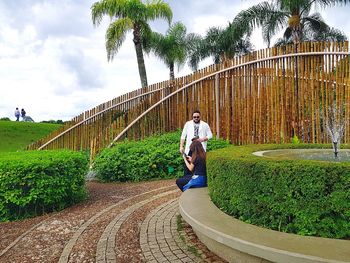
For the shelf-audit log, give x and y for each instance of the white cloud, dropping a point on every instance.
(53, 61)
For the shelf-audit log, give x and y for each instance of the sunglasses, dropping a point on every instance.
(196, 117)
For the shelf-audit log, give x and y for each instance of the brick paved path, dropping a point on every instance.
(96, 230)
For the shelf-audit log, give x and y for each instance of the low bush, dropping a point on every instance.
(295, 196)
(37, 182)
(155, 157)
(53, 121)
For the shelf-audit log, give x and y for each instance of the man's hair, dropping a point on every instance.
(196, 111)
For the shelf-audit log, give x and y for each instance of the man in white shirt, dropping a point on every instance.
(193, 130)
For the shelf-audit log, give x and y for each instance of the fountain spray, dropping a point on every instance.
(335, 126)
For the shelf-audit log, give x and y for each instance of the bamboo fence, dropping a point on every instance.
(267, 96)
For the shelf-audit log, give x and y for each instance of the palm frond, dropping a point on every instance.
(146, 37)
(195, 50)
(159, 9)
(243, 47)
(326, 3)
(98, 10)
(331, 34)
(115, 36)
(178, 30)
(283, 42)
(135, 10)
(111, 8)
(265, 15)
(275, 22)
(171, 48)
(315, 23)
(287, 33)
(247, 20)
(273, 16)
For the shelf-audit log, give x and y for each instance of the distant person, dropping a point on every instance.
(23, 113)
(17, 114)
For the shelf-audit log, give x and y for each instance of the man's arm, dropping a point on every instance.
(182, 139)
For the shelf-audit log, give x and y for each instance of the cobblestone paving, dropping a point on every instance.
(157, 232)
(159, 239)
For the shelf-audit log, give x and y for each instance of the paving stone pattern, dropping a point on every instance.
(160, 240)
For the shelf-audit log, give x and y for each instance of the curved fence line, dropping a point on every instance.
(266, 96)
(104, 107)
(95, 115)
(220, 72)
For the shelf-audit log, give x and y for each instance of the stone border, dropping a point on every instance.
(236, 241)
(64, 258)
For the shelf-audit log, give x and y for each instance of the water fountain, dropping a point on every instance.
(335, 127)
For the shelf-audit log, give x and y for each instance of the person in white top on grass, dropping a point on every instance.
(195, 129)
(17, 114)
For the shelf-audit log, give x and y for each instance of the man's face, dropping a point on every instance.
(196, 117)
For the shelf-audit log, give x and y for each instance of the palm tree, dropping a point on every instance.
(126, 16)
(293, 15)
(172, 47)
(329, 34)
(219, 44)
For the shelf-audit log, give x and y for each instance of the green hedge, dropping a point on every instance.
(295, 196)
(155, 157)
(36, 182)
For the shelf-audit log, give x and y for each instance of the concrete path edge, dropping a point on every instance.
(236, 241)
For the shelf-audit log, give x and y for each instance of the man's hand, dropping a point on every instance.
(202, 139)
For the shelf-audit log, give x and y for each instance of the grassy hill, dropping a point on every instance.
(16, 136)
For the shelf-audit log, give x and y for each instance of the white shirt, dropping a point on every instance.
(188, 134)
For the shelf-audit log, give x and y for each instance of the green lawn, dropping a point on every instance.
(16, 136)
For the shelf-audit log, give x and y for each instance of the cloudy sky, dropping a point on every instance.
(53, 61)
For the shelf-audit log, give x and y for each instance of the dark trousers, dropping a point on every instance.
(181, 182)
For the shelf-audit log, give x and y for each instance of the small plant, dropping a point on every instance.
(181, 231)
(295, 139)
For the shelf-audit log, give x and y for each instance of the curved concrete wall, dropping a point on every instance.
(237, 241)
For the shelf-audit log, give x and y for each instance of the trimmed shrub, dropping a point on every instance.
(304, 197)
(37, 182)
(155, 157)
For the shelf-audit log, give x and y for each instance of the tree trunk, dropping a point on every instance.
(172, 74)
(139, 55)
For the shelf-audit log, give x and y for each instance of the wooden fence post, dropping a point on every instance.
(217, 104)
